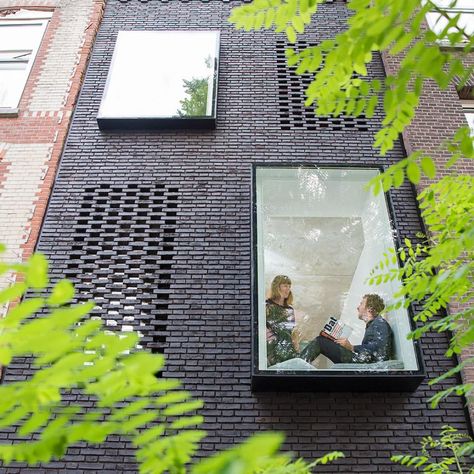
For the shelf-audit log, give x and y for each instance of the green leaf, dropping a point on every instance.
(402, 43)
(13, 292)
(467, 146)
(428, 167)
(259, 20)
(137, 421)
(386, 182)
(173, 397)
(398, 178)
(380, 26)
(187, 421)
(38, 418)
(377, 186)
(360, 68)
(149, 435)
(22, 311)
(372, 104)
(181, 408)
(37, 272)
(63, 292)
(291, 34)
(413, 172)
(5, 356)
(298, 24)
(269, 17)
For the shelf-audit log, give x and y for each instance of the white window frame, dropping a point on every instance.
(460, 7)
(468, 109)
(22, 18)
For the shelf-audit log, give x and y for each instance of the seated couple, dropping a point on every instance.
(283, 336)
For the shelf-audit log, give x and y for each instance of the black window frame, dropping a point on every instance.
(106, 123)
(327, 380)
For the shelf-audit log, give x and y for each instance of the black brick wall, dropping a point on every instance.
(207, 277)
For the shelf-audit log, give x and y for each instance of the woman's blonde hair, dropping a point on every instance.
(275, 288)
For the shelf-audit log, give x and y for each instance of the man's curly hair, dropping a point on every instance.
(374, 303)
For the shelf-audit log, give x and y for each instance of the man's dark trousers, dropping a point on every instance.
(332, 350)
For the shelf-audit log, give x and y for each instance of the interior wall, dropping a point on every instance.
(378, 239)
(326, 232)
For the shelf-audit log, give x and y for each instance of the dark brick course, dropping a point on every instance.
(208, 341)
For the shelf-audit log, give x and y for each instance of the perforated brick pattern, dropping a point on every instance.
(291, 97)
(122, 256)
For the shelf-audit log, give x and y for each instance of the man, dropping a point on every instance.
(375, 346)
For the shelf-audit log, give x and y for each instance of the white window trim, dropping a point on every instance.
(454, 10)
(468, 109)
(25, 17)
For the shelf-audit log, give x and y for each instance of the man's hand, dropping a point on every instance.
(345, 343)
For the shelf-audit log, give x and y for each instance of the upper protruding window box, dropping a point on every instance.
(161, 79)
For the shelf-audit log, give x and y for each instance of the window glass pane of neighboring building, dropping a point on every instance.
(20, 37)
(464, 8)
(162, 74)
(319, 233)
(469, 113)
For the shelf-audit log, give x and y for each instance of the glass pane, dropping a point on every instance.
(14, 59)
(319, 233)
(470, 120)
(437, 23)
(17, 36)
(161, 74)
(462, 4)
(12, 82)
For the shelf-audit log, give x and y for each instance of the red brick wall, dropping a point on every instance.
(31, 144)
(437, 118)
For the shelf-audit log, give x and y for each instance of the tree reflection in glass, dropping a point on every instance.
(196, 102)
(162, 75)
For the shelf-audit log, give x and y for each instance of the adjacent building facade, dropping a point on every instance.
(44, 49)
(439, 114)
(177, 228)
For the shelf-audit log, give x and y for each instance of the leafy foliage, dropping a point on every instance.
(75, 358)
(439, 270)
(114, 388)
(341, 85)
(456, 444)
(196, 90)
(196, 101)
(259, 455)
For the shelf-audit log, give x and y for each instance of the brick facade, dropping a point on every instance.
(156, 226)
(31, 144)
(438, 116)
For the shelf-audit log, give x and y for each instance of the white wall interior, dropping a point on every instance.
(323, 229)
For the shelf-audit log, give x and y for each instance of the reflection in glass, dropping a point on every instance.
(19, 41)
(197, 103)
(324, 232)
(161, 74)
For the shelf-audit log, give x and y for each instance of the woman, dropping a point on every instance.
(282, 338)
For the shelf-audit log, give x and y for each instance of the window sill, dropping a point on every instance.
(337, 381)
(115, 123)
(6, 112)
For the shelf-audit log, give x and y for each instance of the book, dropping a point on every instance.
(335, 329)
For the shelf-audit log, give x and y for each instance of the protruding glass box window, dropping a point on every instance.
(162, 79)
(318, 233)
